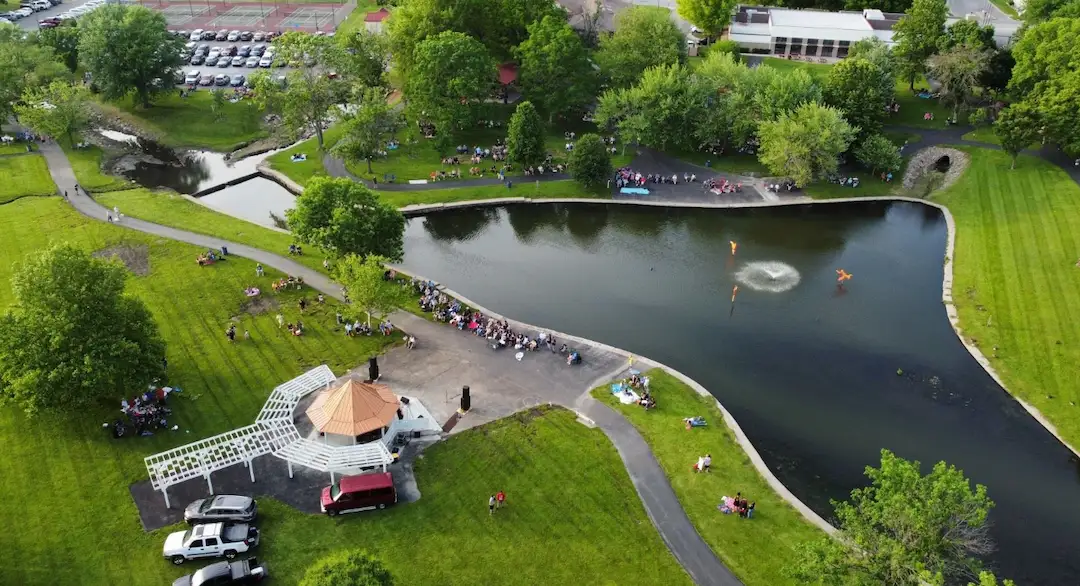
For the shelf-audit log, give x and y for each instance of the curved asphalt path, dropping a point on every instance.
(657, 496)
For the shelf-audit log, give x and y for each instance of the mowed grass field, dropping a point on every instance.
(22, 175)
(188, 122)
(755, 549)
(1016, 281)
(64, 482)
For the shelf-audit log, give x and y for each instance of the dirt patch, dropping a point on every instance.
(136, 257)
(259, 305)
(934, 168)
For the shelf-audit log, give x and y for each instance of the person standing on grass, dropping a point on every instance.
(247, 335)
(326, 263)
(500, 499)
(280, 321)
(348, 330)
(259, 270)
(302, 304)
(491, 505)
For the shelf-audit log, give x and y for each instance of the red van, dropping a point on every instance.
(359, 493)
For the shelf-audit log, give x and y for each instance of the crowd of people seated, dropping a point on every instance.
(144, 412)
(208, 258)
(286, 283)
(499, 333)
(722, 185)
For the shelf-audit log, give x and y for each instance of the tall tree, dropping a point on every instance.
(781, 92)
(918, 35)
(556, 74)
(348, 568)
(728, 90)
(1036, 11)
(660, 110)
(805, 144)
(1016, 127)
(1047, 78)
(368, 289)
(644, 37)
(901, 527)
(344, 217)
(64, 40)
(855, 87)
(362, 56)
(125, 48)
(306, 101)
(525, 136)
(959, 70)
(368, 128)
(880, 54)
(58, 109)
(969, 33)
(998, 71)
(877, 152)
(711, 16)
(74, 338)
(452, 74)
(590, 163)
(24, 64)
(499, 24)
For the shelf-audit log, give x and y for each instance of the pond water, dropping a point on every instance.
(253, 200)
(187, 172)
(810, 371)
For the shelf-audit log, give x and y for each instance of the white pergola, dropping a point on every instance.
(272, 433)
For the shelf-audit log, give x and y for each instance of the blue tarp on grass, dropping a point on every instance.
(634, 191)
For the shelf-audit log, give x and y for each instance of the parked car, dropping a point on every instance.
(238, 61)
(229, 50)
(266, 62)
(358, 493)
(221, 79)
(237, 80)
(258, 50)
(225, 574)
(252, 62)
(233, 36)
(179, 76)
(196, 35)
(246, 36)
(259, 37)
(203, 48)
(244, 51)
(223, 507)
(40, 5)
(221, 35)
(191, 77)
(224, 61)
(197, 59)
(207, 79)
(210, 541)
(211, 60)
(51, 22)
(183, 34)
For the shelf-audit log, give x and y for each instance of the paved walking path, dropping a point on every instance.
(502, 385)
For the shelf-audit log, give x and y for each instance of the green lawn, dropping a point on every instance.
(170, 209)
(755, 549)
(1016, 285)
(22, 175)
(983, 134)
(16, 148)
(87, 164)
(566, 485)
(188, 122)
(303, 171)
(1006, 7)
(355, 20)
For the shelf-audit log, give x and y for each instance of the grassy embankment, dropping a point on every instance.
(755, 549)
(22, 175)
(99, 539)
(1016, 283)
(188, 122)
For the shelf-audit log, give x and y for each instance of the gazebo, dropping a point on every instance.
(361, 410)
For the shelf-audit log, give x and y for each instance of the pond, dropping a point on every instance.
(255, 200)
(820, 378)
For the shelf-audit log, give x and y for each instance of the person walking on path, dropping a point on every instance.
(500, 499)
(491, 505)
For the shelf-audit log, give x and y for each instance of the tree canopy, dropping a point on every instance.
(918, 35)
(348, 568)
(902, 528)
(959, 70)
(125, 48)
(525, 136)
(970, 33)
(73, 338)
(306, 100)
(660, 110)
(368, 289)
(1016, 127)
(804, 144)
(60, 109)
(64, 40)
(711, 16)
(855, 86)
(451, 76)
(343, 217)
(1047, 78)
(368, 127)
(590, 162)
(645, 36)
(24, 64)
(878, 152)
(556, 74)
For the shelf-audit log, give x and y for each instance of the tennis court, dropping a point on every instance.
(243, 16)
(177, 15)
(313, 17)
(270, 16)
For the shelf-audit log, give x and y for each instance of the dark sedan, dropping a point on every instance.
(237, 80)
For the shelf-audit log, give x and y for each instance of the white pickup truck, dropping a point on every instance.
(210, 540)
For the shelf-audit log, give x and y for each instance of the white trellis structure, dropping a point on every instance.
(272, 433)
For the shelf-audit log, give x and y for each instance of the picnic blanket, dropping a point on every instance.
(727, 505)
(625, 394)
(634, 191)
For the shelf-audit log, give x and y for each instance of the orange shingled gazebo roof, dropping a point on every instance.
(353, 408)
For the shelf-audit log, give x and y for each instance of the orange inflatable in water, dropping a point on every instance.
(734, 245)
(841, 276)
